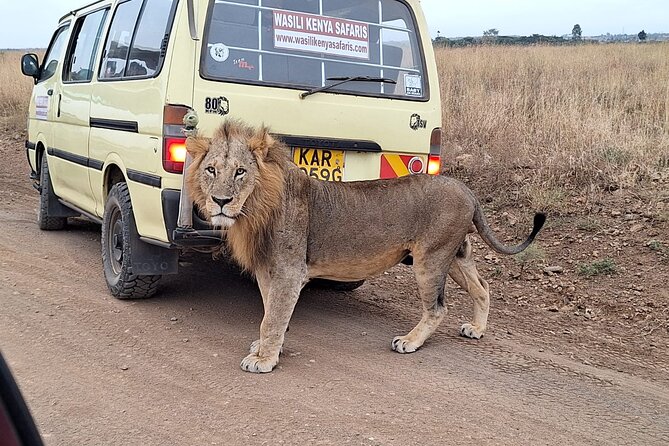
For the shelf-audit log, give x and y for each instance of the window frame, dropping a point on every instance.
(79, 22)
(168, 35)
(62, 28)
(419, 42)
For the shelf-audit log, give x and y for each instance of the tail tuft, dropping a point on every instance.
(539, 220)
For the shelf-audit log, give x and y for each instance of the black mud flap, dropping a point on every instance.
(149, 260)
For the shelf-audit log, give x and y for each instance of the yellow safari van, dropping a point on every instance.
(350, 85)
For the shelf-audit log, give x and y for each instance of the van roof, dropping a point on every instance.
(74, 11)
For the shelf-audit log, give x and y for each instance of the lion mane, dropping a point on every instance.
(250, 238)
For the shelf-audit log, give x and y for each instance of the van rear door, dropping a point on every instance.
(257, 60)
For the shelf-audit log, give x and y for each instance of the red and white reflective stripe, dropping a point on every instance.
(394, 166)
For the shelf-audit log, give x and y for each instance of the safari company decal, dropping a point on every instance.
(42, 107)
(320, 34)
(219, 105)
(393, 166)
(416, 122)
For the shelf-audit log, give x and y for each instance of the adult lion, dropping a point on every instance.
(286, 229)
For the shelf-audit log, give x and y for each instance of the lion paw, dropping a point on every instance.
(255, 364)
(402, 345)
(471, 331)
(255, 347)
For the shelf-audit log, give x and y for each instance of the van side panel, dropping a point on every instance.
(71, 164)
(183, 66)
(127, 131)
(70, 146)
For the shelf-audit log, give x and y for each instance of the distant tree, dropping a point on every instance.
(642, 36)
(492, 32)
(576, 32)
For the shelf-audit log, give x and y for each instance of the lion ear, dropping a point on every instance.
(197, 146)
(261, 143)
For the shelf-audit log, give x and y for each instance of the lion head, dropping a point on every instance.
(236, 180)
(227, 169)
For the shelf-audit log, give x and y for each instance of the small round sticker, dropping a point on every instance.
(219, 52)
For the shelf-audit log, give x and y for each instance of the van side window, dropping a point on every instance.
(137, 38)
(54, 53)
(119, 39)
(146, 51)
(85, 41)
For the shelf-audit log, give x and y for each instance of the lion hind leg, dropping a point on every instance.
(464, 273)
(431, 281)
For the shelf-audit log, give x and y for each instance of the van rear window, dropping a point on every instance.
(307, 44)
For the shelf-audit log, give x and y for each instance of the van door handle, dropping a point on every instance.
(60, 97)
(50, 92)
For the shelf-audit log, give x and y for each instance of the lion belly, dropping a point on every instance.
(355, 267)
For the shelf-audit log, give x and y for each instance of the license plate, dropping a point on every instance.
(322, 164)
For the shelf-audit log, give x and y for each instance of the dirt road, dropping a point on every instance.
(165, 371)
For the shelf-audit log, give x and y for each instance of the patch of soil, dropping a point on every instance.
(595, 284)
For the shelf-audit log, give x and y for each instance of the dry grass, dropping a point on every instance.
(15, 89)
(548, 121)
(542, 122)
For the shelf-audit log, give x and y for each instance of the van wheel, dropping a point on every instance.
(118, 226)
(337, 286)
(46, 222)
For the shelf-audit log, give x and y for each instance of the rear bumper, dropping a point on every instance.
(202, 235)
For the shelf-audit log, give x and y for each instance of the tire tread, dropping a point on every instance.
(129, 285)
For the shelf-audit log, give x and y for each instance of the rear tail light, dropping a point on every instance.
(434, 160)
(434, 165)
(174, 154)
(174, 142)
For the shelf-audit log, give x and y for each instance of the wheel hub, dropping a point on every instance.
(115, 245)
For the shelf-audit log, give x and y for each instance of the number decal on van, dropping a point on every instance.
(219, 105)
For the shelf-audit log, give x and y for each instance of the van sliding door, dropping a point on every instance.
(71, 162)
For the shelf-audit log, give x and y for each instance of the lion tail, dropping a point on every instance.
(491, 240)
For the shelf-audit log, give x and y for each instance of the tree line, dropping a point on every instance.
(491, 37)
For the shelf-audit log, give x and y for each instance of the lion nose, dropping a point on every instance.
(221, 201)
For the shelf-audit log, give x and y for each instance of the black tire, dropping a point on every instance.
(44, 221)
(118, 226)
(337, 286)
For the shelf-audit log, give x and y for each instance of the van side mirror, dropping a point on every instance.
(30, 66)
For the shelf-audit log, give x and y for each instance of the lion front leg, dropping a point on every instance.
(279, 299)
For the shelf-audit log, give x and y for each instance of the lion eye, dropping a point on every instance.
(240, 172)
(211, 170)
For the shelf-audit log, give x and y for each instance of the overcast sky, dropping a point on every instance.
(29, 23)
